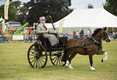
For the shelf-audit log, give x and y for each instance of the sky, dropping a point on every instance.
(78, 4)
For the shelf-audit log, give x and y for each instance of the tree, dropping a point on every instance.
(12, 12)
(22, 13)
(16, 4)
(90, 6)
(56, 8)
(2, 10)
(111, 6)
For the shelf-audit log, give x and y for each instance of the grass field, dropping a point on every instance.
(14, 65)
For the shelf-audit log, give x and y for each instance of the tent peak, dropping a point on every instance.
(102, 6)
(87, 8)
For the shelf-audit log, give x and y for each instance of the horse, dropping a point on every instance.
(89, 46)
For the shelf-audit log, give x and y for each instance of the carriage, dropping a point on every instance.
(39, 51)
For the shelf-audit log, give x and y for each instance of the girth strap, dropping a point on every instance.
(84, 46)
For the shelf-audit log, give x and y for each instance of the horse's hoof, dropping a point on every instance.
(66, 66)
(71, 68)
(102, 60)
(93, 69)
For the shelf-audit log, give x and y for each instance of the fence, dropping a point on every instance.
(18, 38)
(33, 38)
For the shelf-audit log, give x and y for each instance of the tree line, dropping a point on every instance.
(32, 10)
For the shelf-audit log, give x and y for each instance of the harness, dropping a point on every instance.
(94, 42)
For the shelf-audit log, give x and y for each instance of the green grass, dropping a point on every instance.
(14, 65)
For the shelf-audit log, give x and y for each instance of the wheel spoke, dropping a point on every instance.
(32, 57)
(33, 49)
(53, 58)
(40, 62)
(32, 52)
(32, 60)
(57, 61)
(34, 63)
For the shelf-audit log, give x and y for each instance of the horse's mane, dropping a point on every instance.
(96, 31)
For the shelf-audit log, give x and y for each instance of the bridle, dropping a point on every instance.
(105, 35)
(105, 38)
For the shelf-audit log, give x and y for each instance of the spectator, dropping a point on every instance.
(67, 35)
(81, 34)
(26, 38)
(113, 34)
(30, 38)
(7, 38)
(74, 34)
(77, 34)
(88, 33)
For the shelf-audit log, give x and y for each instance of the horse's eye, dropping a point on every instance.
(105, 34)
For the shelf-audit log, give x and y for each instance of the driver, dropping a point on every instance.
(41, 28)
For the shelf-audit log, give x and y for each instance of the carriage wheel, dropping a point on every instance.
(56, 57)
(37, 56)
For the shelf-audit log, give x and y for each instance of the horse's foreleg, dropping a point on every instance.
(91, 62)
(105, 53)
(71, 57)
(105, 57)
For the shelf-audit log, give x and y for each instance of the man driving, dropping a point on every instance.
(41, 28)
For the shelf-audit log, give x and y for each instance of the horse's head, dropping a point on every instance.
(104, 35)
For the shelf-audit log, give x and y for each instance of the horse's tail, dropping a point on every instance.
(64, 56)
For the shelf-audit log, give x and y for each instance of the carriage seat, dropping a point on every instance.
(41, 37)
(62, 40)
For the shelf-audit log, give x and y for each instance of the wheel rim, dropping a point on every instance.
(37, 57)
(56, 57)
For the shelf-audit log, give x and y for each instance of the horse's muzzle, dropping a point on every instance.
(108, 40)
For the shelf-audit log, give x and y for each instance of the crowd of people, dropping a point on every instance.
(31, 37)
(27, 38)
(81, 34)
(114, 35)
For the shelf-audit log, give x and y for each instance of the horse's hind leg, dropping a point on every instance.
(67, 60)
(70, 52)
(71, 57)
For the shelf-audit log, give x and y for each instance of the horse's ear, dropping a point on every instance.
(105, 28)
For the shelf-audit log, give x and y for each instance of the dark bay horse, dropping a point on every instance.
(89, 47)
